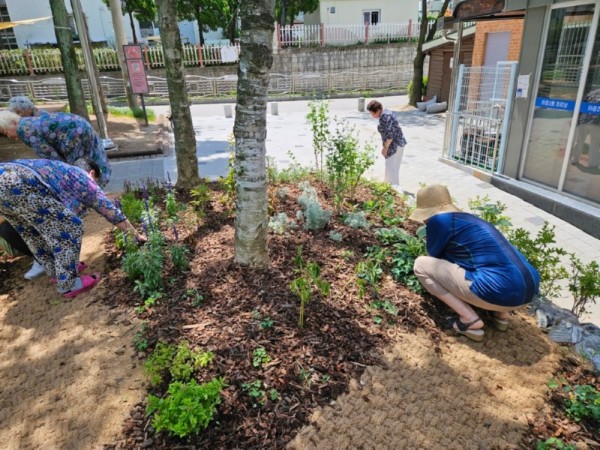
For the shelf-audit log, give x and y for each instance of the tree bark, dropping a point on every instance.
(250, 131)
(62, 30)
(185, 138)
(417, 81)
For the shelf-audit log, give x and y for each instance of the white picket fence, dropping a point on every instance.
(340, 35)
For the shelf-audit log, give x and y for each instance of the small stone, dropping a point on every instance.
(120, 351)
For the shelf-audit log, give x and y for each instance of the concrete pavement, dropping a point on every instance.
(289, 134)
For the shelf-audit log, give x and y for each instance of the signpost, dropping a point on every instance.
(137, 73)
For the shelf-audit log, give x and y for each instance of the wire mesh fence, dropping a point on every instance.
(479, 115)
(226, 86)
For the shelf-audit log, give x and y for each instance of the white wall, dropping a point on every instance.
(99, 20)
(350, 12)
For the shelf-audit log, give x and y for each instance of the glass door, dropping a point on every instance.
(559, 84)
(583, 172)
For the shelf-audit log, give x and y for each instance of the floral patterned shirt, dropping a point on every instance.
(65, 137)
(73, 187)
(390, 129)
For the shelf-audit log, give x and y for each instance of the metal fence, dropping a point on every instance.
(340, 35)
(48, 61)
(478, 120)
(198, 86)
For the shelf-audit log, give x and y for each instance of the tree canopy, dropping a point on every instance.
(291, 8)
(142, 9)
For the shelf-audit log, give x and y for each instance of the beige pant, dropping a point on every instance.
(392, 167)
(441, 277)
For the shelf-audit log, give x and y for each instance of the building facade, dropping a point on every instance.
(553, 144)
(359, 12)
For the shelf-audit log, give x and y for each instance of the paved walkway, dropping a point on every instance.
(288, 132)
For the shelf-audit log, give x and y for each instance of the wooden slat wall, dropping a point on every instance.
(438, 73)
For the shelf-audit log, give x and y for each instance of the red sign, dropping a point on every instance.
(136, 69)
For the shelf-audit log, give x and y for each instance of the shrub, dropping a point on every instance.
(356, 220)
(318, 120)
(280, 224)
(542, 255)
(584, 284)
(490, 212)
(315, 217)
(309, 277)
(131, 206)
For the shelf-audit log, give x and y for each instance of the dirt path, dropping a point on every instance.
(67, 370)
(472, 396)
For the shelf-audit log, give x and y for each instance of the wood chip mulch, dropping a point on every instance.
(309, 366)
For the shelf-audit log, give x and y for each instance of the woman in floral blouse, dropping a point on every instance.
(62, 136)
(42, 199)
(393, 141)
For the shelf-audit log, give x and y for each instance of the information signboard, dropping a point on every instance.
(135, 69)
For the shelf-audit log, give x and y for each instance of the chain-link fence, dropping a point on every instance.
(478, 119)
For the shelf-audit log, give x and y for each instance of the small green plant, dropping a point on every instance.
(315, 217)
(542, 255)
(280, 223)
(356, 220)
(554, 443)
(266, 323)
(180, 361)
(179, 256)
(308, 277)
(260, 357)
(583, 402)
(145, 265)
(274, 395)
(255, 390)
(124, 241)
(229, 183)
(584, 284)
(148, 303)
(172, 208)
(187, 408)
(140, 340)
(490, 212)
(305, 375)
(335, 236)
(318, 119)
(158, 362)
(131, 206)
(200, 198)
(369, 272)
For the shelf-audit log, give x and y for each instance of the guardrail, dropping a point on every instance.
(198, 86)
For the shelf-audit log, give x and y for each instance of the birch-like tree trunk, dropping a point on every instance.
(414, 95)
(64, 37)
(185, 138)
(250, 131)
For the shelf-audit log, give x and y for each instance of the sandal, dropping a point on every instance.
(81, 266)
(500, 324)
(463, 328)
(89, 281)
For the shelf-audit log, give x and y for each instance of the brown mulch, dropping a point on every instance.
(553, 421)
(309, 366)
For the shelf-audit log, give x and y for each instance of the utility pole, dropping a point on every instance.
(117, 19)
(90, 66)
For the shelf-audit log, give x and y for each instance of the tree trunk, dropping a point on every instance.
(440, 14)
(250, 131)
(417, 81)
(283, 18)
(62, 30)
(233, 27)
(120, 41)
(132, 25)
(198, 21)
(185, 138)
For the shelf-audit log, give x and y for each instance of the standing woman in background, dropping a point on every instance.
(393, 142)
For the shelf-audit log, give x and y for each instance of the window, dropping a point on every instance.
(8, 40)
(372, 17)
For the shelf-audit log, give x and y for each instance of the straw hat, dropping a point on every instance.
(432, 200)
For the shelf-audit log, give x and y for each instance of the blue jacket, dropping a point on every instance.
(500, 273)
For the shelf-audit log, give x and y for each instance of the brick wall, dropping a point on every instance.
(514, 26)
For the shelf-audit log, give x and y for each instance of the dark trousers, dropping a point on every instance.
(10, 235)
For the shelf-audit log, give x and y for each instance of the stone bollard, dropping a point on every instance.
(275, 108)
(361, 104)
(228, 111)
